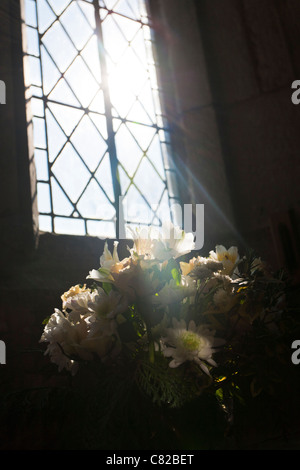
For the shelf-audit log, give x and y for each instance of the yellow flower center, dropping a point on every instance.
(190, 341)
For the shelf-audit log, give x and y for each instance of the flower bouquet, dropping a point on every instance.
(179, 327)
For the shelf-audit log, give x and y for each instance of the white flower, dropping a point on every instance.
(108, 259)
(228, 258)
(60, 359)
(78, 300)
(186, 268)
(173, 242)
(110, 266)
(193, 344)
(200, 267)
(143, 239)
(89, 329)
(224, 300)
(109, 305)
(107, 262)
(64, 337)
(102, 338)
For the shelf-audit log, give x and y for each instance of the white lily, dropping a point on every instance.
(173, 243)
(228, 258)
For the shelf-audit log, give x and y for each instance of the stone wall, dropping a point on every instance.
(252, 53)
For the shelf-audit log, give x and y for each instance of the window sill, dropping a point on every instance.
(57, 262)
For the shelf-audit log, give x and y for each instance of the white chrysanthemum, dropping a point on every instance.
(72, 292)
(186, 268)
(72, 336)
(79, 300)
(190, 344)
(228, 258)
(96, 302)
(200, 267)
(65, 337)
(224, 300)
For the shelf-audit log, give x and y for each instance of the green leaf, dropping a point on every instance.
(219, 394)
(176, 276)
(107, 287)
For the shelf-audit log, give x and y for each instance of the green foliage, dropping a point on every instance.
(166, 386)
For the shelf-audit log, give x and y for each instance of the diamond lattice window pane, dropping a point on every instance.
(129, 152)
(63, 93)
(58, 6)
(76, 25)
(90, 56)
(135, 208)
(103, 176)
(89, 12)
(155, 156)
(138, 113)
(128, 8)
(93, 204)
(59, 46)
(67, 117)
(100, 122)
(71, 172)
(163, 210)
(97, 105)
(89, 143)
(56, 137)
(128, 27)
(81, 81)
(145, 97)
(149, 182)
(143, 134)
(138, 45)
(116, 47)
(45, 15)
(124, 180)
(61, 204)
(51, 73)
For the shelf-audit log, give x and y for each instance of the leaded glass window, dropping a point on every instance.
(101, 143)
